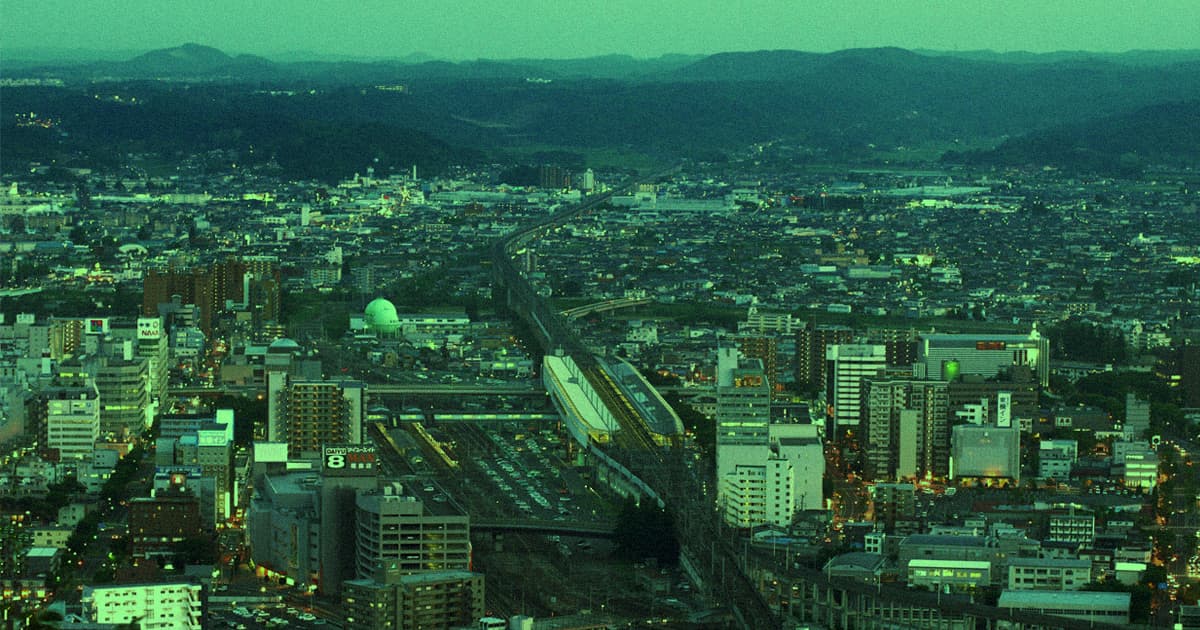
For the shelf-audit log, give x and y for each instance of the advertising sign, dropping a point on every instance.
(349, 460)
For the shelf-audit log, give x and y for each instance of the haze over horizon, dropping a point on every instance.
(545, 29)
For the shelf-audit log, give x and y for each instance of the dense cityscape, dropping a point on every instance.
(772, 386)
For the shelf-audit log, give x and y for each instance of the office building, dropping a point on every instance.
(949, 576)
(894, 506)
(121, 380)
(72, 420)
(1048, 574)
(1140, 470)
(1010, 397)
(848, 367)
(943, 356)
(1071, 528)
(158, 524)
(151, 343)
(206, 443)
(743, 399)
(765, 349)
(302, 526)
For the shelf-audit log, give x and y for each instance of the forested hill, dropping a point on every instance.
(1167, 133)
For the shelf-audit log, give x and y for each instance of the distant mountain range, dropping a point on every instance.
(198, 62)
(194, 62)
(842, 105)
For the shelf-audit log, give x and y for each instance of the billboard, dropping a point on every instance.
(1004, 409)
(149, 328)
(351, 460)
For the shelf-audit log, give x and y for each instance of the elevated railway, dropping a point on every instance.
(664, 470)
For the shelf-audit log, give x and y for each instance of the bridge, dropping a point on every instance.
(604, 307)
(589, 529)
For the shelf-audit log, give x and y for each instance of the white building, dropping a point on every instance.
(1056, 457)
(163, 606)
(1107, 608)
(848, 366)
(1048, 574)
(1141, 470)
(72, 420)
(768, 484)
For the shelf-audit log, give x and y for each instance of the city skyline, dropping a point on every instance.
(542, 30)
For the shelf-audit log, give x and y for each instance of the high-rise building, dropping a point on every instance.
(765, 348)
(304, 525)
(207, 443)
(72, 420)
(150, 342)
(811, 342)
(1189, 374)
(124, 397)
(1137, 417)
(251, 282)
(848, 366)
(743, 400)
(765, 472)
(193, 286)
(894, 503)
(310, 414)
(978, 400)
(907, 429)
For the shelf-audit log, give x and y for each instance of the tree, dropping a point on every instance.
(646, 531)
(47, 619)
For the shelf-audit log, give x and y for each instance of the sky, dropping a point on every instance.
(505, 29)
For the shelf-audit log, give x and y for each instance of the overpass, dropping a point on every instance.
(589, 529)
(231, 390)
(530, 389)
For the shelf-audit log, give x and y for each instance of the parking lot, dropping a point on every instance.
(250, 616)
(509, 469)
